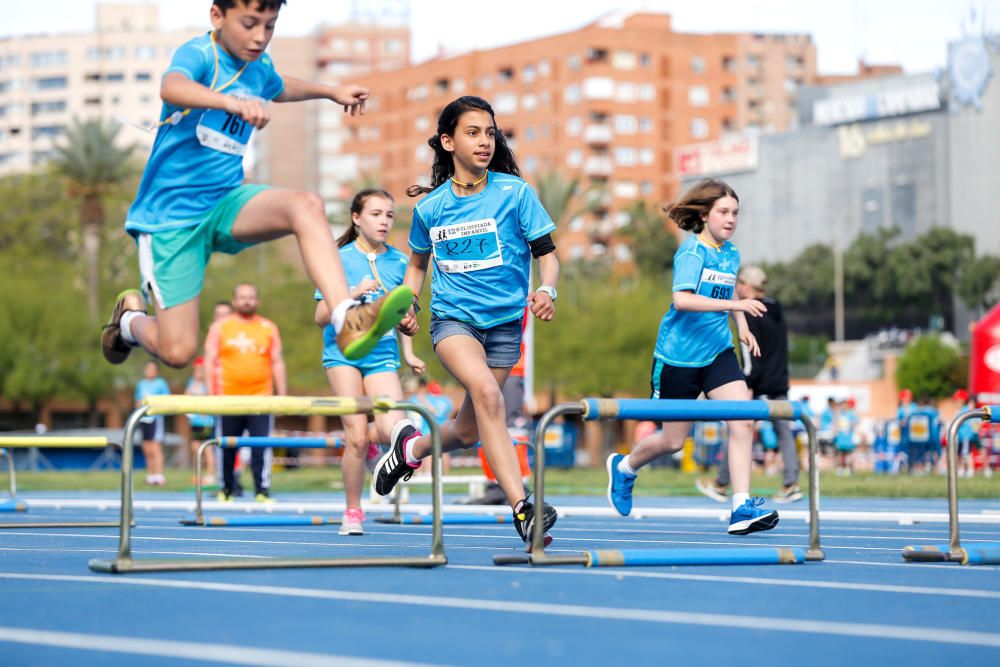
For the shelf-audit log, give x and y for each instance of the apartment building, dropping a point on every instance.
(111, 72)
(607, 103)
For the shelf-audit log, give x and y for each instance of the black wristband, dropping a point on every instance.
(543, 245)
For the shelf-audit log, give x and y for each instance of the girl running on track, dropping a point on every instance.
(482, 223)
(694, 349)
(373, 268)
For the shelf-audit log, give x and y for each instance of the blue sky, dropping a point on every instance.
(914, 33)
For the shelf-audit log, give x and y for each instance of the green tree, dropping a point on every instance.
(93, 166)
(928, 270)
(651, 239)
(931, 367)
(979, 285)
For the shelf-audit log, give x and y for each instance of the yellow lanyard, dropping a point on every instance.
(370, 256)
(176, 116)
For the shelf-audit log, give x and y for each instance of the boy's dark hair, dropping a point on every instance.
(262, 5)
(358, 205)
(444, 166)
(688, 210)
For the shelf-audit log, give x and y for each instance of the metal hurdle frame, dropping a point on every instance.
(665, 410)
(954, 552)
(253, 441)
(76, 442)
(267, 405)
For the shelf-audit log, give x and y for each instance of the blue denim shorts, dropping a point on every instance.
(502, 342)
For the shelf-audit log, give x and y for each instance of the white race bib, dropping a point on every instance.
(225, 132)
(467, 246)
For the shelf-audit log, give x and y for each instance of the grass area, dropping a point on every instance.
(578, 481)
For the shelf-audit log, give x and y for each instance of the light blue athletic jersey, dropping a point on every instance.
(439, 405)
(923, 425)
(391, 266)
(194, 163)
(690, 338)
(480, 248)
(155, 387)
(970, 428)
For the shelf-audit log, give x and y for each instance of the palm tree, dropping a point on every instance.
(564, 199)
(93, 166)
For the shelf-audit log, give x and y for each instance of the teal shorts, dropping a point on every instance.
(172, 263)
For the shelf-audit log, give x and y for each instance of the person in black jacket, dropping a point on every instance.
(767, 377)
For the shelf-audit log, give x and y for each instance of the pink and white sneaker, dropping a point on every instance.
(352, 523)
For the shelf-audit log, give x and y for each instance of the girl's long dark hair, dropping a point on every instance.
(358, 205)
(689, 208)
(444, 166)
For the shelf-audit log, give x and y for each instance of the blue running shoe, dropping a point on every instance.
(750, 517)
(619, 486)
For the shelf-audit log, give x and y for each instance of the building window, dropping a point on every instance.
(49, 83)
(458, 85)
(625, 156)
(572, 93)
(574, 125)
(624, 60)
(544, 68)
(143, 76)
(392, 46)
(422, 123)
(699, 128)
(644, 60)
(505, 74)
(529, 73)
(698, 96)
(505, 103)
(115, 77)
(48, 59)
(529, 102)
(46, 131)
(596, 55)
(697, 64)
(145, 53)
(92, 77)
(625, 189)
(646, 187)
(647, 92)
(753, 62)
(626, 91)
(729, 64)
(48, 107)
(645, 125)
(91, 101)
(646, 156)
(441, 86)
(573, 62)
(486, 82)
(626, 124)
(574, 158)
(530, 165)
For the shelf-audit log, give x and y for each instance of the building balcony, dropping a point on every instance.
(598, 134)
(598, 166)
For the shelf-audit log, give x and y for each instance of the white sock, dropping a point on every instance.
(739, 499)
(340, 311)
(125, 326)
(411, 460)
(623, 466)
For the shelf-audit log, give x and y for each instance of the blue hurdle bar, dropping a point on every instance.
(955, 553)
(674, 410)
(258, 520)
(249, 441)
(453, 519)
(740, 556)
(13, 505)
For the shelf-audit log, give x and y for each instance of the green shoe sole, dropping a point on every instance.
(395, 307)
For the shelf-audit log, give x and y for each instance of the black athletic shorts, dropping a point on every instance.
(689, 382)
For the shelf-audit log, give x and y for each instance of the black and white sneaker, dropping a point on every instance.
(524, 519)
(393, 467)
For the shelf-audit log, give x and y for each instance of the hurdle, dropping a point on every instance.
(24, 441)
(398, 518)
(253, 441)
(264, 405)
(954, 552)
(672, 410)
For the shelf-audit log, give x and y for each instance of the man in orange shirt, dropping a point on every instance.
(243, 357)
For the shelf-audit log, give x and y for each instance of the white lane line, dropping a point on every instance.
(954, 567)
(222, 653)
(756, 623)
(620, 573)
(112, 552)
